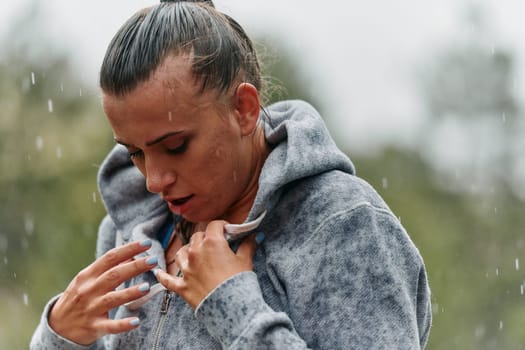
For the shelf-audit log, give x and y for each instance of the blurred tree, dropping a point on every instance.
(52, 135)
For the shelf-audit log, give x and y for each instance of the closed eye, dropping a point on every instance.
(136, 154)
(178, 150)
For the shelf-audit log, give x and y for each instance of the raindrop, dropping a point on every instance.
(94, 197)
(61, 87)
(26, 84)
(385, 182)
(33, 80)
(24, 243)
(50, 105)
(6, 260)
(497, 272)
(14, 275)
(59, 152)
(29, 157)
(500, 325)
(493, 49)
(517, 264)
(26, 299)
(170, 116)
(80, 92)
(503, 117)
(521, 289)
(29, 224)
(495, 210)
(4, 244)
(39, 143)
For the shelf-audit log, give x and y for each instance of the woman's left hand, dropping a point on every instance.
(206, 262)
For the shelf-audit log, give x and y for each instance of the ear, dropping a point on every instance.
(247, 107)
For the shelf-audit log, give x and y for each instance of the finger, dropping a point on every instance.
(196, 238)
(118, 298)
(247, 249)
(181, 258)
(172, 283)
(118, 255)
(215, 230)
(108, 326)
(115, 276)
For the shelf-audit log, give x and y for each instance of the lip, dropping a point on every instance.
(179, 208)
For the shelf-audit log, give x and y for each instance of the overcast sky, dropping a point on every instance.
(361, 56)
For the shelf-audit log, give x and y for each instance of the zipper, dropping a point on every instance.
(163, 311)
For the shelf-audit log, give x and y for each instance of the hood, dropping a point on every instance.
(301, 147)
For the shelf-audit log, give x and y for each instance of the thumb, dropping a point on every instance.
(248, 247)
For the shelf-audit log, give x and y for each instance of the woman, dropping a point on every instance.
(251, 219)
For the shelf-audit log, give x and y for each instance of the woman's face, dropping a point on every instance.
(190, 148)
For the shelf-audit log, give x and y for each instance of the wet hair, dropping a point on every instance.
(221, 52)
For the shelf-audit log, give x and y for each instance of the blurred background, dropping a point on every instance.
(427, 98)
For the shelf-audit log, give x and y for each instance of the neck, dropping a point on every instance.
(238, 213)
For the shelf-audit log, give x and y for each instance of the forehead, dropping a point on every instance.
(171, 85)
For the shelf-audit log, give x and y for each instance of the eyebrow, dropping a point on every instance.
(152, 142)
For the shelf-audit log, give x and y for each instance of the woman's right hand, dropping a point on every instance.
(81, 312)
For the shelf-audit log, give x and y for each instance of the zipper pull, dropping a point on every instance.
(165, 302)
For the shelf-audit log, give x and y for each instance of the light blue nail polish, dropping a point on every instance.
(156, 272)
(144, 287)
(259, 237)
(146, 243)
(134, 322)
(152, 260)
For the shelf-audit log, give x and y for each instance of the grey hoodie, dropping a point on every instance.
(336, 270)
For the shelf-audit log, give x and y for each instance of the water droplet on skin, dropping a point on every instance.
(50, 105)
(59, 152)
(26, 299)
(39, 143)
(517, 264)
(33, 80)
(385, 183)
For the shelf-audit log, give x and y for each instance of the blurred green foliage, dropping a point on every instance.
(53, 136)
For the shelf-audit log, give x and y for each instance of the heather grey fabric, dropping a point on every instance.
(336, 270)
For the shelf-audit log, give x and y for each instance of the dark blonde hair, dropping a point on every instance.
(221, 51)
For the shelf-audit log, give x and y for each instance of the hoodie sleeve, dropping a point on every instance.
(358, 282)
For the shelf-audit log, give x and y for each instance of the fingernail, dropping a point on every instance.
(259, 237)
(134, 322)
(144, 287)
(152, 260)
(156, 272)
(146, 243)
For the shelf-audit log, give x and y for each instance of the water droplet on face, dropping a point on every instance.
(39, 143)
(26, 299)
(33, 80)
(50, 105)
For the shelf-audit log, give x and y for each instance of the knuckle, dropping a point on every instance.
(112, 256)
(112, 275)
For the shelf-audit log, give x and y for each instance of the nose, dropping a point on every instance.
(159, 176)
